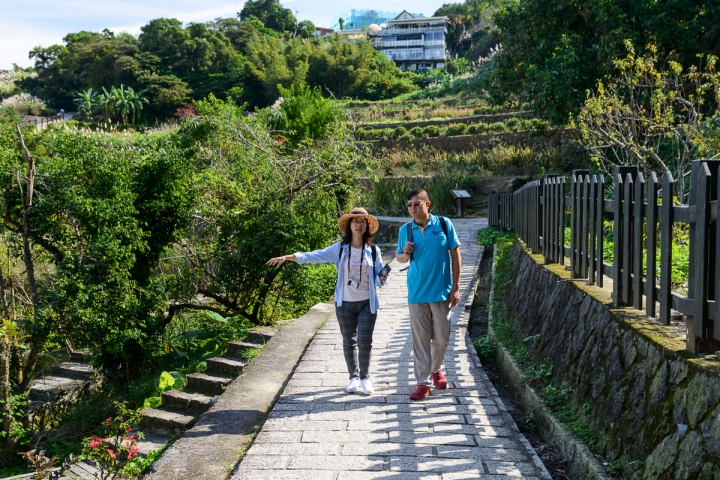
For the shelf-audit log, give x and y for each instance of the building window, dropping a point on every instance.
(416, 53)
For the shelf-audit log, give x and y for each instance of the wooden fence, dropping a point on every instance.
(642, 211)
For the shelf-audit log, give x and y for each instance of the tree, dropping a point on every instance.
(655, 118)
(271, 13)
(87, 102)
(554, 51)
(88, 249)
(306, 29)
(341, 22)
(259, 200)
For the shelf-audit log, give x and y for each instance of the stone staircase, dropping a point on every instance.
(180, 409)
(64, 378)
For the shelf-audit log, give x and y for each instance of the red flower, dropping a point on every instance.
(108, 420)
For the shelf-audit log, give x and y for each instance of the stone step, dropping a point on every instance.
(208, 382)
(166, 422)
(192, 403)
(80, 371)
(152, 440)
(82, 357)
(237, 347)
(225, 365)
(260, 335)
(49, 387)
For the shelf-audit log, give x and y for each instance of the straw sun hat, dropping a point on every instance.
(358, 212)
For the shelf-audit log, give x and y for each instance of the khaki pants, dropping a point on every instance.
(430, 326)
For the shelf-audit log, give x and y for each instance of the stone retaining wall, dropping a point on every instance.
(469, 120)
(564, 139)
(634, 371)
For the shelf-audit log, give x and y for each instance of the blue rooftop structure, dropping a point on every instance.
(357, 19)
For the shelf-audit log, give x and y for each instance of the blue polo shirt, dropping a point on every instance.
(429, 277)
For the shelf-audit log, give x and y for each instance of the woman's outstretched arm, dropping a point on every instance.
(277, 261)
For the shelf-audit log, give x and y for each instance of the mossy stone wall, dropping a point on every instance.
(635, 372)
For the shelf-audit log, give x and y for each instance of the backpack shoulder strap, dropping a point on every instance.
(443, 224)
(410, 235)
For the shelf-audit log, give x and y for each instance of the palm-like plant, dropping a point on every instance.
(137, 101)
(87, 102)
(122, 102)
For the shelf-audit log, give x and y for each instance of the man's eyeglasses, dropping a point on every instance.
(415, 204)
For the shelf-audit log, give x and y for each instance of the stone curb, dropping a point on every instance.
(217, 442)
(581, 462)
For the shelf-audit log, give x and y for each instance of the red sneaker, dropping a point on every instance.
(420, 392)
(439, 380)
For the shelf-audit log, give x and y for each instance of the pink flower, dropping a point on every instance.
(110, 452)
(108, 420)
(129, 428)
(94, 444)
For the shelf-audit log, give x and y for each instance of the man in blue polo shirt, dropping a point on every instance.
(431, 290)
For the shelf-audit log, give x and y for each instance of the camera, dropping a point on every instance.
(353, 283)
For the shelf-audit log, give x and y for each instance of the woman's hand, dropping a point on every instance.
(277, 261)
(382, 279)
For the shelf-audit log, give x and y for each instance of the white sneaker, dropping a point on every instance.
(366, 386)
(353, 386)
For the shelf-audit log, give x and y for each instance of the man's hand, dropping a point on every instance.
(408, 248)
(454, 297)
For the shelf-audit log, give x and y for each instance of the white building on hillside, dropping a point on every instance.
(414, 43)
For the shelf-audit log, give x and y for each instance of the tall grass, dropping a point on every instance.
(500, 160)
(388, 195)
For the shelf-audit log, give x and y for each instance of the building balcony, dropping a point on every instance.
(404, 31)
(410, 43)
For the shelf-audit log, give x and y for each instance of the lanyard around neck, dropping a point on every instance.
(362, 250)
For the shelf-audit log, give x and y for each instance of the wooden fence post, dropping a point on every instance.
(651, 246)
(701, 285)
(621, 234)
(666, 235)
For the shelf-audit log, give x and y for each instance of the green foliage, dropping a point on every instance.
(386, 195)
(417, 132)
(115, 448)
(103, 236)
(431, 131)
(244, 60)
(651, 115)
(304, 115)
(554, 51)
(399, 132)
(259, 202)
(271, 13)
(456, 129)
(485, 347)
(488, 236)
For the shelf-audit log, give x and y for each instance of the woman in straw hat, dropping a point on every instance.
(356, 301)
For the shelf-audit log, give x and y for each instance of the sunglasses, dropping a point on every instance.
(415, 204)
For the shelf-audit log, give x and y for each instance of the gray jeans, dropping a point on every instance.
(356, 326)
(430, 327)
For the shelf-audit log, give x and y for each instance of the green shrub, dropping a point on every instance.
(431, 131)
(456, 129)
(497, 127)
(417, 132)
(476, 129)
(513, 123)
(482, 111)
(406, 136)
(304, 116)
(399, 132)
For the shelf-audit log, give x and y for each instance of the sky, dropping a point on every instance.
(25, 24)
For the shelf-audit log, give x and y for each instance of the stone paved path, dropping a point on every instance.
(317, 431)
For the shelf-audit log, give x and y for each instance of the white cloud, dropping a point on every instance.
(16, 43)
